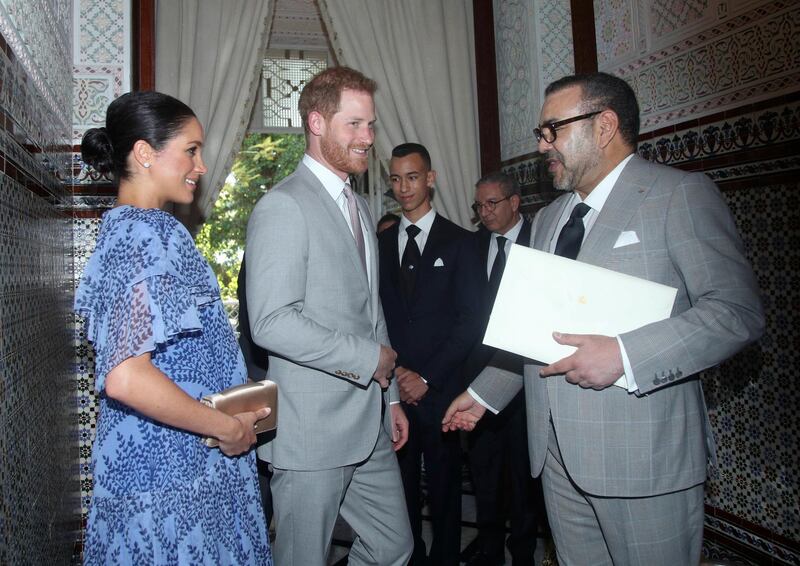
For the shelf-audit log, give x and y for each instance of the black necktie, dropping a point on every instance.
(571, 236)
(410, 261)
(498, 266)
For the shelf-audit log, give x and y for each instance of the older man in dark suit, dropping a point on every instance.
(432, 293)
(498, 445)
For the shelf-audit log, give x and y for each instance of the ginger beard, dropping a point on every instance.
(344, 158)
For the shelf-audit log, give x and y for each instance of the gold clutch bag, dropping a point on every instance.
(249, 396)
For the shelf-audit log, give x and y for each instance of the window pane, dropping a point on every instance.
(283, 75)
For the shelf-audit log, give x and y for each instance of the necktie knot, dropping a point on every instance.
(412, 230)
(501, 242)
(580, 210)
(571, 236)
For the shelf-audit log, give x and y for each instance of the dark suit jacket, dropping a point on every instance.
(435, 330)
(483, 355)
(254, 355)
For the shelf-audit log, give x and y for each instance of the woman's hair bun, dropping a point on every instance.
(97, 150)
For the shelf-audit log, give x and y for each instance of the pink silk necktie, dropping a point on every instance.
(355, 222)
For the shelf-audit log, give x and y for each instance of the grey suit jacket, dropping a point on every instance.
(310, 305)
(658, 440)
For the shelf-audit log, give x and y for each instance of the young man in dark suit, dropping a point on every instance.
(432, 290)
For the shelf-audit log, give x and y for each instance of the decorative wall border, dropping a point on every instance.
(745, 58)
(753, 545)
(729, 134)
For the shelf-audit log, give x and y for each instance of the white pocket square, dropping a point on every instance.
(626, 239)
(438, 262)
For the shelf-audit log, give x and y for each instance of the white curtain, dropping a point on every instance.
(421, 53)
(209, 54)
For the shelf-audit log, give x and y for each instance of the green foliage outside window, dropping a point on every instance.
(262, 162)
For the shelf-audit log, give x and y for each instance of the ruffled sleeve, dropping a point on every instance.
(133, 297)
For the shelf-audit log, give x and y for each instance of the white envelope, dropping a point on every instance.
(541, 293)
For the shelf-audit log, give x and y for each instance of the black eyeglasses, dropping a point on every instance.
(489, 205)
(547, 132)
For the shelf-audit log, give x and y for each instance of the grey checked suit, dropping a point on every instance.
(658, 440)
(311, 306)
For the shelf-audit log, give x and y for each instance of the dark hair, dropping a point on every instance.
(323, 92)
(508, 183)
(389, 217)
(603, 91)
(147, 115)
(405, 149)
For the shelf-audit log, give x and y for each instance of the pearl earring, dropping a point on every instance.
(146, 165)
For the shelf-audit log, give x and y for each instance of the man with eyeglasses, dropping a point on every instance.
(623, 468)
(498, 447)
(432, 292)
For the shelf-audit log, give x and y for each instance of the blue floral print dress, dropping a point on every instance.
(160, 495)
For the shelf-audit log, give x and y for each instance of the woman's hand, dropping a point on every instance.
(240, 434)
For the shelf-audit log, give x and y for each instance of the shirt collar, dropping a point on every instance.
(597, 198)
(425, 223)
(331, 181)
(513, 233)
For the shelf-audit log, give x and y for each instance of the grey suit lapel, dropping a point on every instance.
(546, 225)
(623, 202)
(332, 210)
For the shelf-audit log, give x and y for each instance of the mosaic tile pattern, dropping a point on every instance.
(39, 495)
(755, 405)
(36, 395)
(748, 57)
(752, 400)
(35, 124)
(101, 35)
(670, 15)
(39, 33)
(554, 28)
(533, 45)
(102, 65)
(516, 78)
(613, 29)
(85, 232)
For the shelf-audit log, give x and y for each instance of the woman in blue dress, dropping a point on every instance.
(162, 340)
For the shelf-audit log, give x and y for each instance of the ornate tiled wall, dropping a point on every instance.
(102, 58)
(691, 58)
(101, 72)
(39, 493)
(533, 47)
(755, 497)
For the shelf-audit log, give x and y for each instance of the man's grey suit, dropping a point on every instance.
(312, 307)
(617, 444)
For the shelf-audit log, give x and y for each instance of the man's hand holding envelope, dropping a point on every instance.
(568, 313)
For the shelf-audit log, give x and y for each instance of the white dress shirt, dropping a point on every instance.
(510, 236)
(595, 200)
(334, 186)
(424, 224)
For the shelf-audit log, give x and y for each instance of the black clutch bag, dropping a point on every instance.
(249, 396)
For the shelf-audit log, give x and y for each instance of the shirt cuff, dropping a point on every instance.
(630, 381)
(481, 401)
(394, 402)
